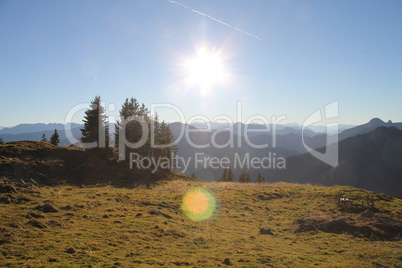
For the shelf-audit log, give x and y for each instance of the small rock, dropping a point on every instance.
(138, 215)
(266, 231)
(105, 216)
(46, 208)
(70, 251)
(227, 261)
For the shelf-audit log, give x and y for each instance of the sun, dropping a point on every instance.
(206, 69)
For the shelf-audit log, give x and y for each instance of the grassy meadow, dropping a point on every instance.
(119, 227)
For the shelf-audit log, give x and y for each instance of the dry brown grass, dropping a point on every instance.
(109, 226)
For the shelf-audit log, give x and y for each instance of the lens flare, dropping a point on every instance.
(199, 204)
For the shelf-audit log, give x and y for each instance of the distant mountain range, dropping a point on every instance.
(371, 161)
(241, 147)
(365, 128)
(368, 127)
(369, 154)
(39, 127)
(286, 128)
(35, 131)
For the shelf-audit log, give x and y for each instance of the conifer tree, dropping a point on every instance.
(241, 177)
(54, 139)
(260, 178)
(1, 141)
(129, 115)
(244, 177)
(156, 135)
(166, 139)
(193, 176)
(44, 139)
(223, 177)
(133, 118)
(163, 146)
(96, 126)
(247, 177)
(230, 175)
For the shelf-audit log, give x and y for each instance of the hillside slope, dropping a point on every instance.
(253, 225)
(371, 161)
(51, 165)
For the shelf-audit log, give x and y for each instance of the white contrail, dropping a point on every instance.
(214, 19)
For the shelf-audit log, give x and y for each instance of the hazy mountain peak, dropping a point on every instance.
(376, 121)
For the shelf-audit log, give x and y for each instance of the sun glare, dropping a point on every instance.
(206, 69)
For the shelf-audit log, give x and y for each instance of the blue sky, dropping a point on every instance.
(57, 54)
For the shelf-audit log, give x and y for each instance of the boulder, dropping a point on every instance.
(227, 261)
(46, 208)
(266, 231)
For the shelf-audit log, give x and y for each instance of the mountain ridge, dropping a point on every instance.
(371, 161)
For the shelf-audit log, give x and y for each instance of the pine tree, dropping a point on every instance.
(244, 177)
(44, 139)
(193, 176)
(1, 141)
(241, 177)
(247, 177)
(224, 177)
(156, 135)
(260, 178)
(129, 111)
(54, 139)
(166, 139)
(96, 127)
(230, 175)
(146, 120)
(133, 117)
(164, 146)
